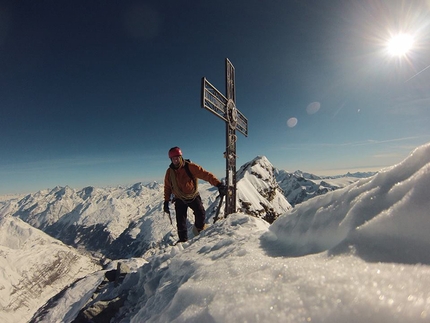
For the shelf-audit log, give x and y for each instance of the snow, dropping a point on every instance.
(357, 254)
(33, 268)
(228, 275)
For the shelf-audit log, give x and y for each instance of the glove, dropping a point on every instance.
(166, 207)
(222, 189)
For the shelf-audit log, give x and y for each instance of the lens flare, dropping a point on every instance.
(292, 122)
(400, 45)
(313, 107)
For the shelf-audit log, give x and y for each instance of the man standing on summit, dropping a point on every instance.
(181, 181)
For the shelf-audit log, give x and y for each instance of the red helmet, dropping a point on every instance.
(175, 152)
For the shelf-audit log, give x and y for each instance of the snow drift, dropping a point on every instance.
(385, 217)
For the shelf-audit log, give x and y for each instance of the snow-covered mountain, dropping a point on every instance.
(93, 218)
(33, 268)
(299, 186)
(127, 221)
(357, 254)
(258, 191)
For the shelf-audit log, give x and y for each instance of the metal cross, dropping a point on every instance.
(225, 108)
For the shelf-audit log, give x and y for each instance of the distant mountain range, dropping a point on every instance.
(117, 222)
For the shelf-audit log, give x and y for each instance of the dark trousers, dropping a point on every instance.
(181, 208)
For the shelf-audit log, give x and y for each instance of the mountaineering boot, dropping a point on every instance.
(196, 231)
(179, 242)
(183, 236)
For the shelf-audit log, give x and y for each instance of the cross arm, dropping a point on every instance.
(242, 124)
(213, 100)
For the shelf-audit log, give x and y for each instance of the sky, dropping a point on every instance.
(356, 254)
(95, 93)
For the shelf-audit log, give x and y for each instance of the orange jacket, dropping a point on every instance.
(185, 183)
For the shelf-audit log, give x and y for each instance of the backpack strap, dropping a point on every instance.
(187, 169)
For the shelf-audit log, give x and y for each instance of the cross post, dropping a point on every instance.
(225, 108)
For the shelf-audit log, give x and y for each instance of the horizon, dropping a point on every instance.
(161, 180)
(96, 94)
(220, 173)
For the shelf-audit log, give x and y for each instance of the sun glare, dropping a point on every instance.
(400, 45)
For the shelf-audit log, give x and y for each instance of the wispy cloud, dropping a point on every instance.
(310, 146)
(378, 142)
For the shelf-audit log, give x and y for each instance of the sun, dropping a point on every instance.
(400, 44)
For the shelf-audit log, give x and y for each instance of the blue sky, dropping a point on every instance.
(96, 92)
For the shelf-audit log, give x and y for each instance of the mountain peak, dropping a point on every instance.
(261, 159)
(299, 173)
(153, 185)
(256, 166)
(258, 191)
(86, 192)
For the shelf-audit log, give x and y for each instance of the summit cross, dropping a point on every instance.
(225, 108)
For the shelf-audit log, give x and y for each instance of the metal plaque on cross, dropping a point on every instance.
(225, 108)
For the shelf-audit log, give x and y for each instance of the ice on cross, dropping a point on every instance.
(225, 108)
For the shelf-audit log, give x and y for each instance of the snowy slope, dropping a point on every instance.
(358, 254)
(33, 268)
